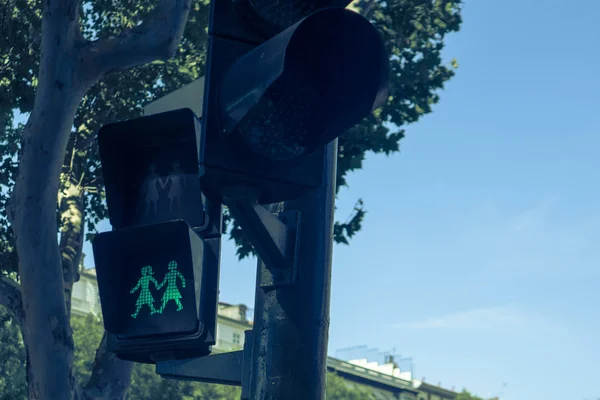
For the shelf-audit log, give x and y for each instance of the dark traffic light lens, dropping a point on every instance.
(278, 127)
(150, 169)
(274, 16)
(304, 87)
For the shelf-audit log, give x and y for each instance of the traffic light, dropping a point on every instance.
(284, 79)
(158, 268)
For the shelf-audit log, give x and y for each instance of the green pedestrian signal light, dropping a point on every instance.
(171, 293)
(157, 290)
(143, 285)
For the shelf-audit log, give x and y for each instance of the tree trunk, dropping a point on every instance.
(110, 378)
(47, 332)
(71, 237)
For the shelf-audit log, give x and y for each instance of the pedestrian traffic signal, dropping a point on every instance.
(150, 169)
(282, 81)
(157, 290)
(158, 269)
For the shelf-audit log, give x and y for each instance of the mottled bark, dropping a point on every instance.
(47, 332)
(157, 38)
(71, 237)
(110, 376)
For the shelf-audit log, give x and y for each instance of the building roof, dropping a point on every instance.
(242, 324)
(89, 272)
(370, 377)
(434, 389)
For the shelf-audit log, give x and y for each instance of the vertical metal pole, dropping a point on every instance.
(291, 323)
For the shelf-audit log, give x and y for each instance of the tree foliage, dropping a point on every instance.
(87, 334)
(414, 33)
(340, 389)
(12, 359)
(466, 395)
(145, 383)
(20, 27)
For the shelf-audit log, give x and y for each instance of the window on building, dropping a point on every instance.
(236, 338)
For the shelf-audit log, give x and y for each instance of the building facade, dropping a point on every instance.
(86, 298)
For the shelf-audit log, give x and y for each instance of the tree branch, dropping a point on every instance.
(105, 117)
(71, 237)
(369, 9)
(10, 298)
(156, 38)
(110, 377)
(59, 18)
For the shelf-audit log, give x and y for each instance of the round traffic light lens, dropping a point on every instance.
(303, 88)
(279, 126)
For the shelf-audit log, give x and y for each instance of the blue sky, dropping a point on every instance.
(477, 257)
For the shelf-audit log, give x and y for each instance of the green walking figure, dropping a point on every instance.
(146, 297)
(172, 291)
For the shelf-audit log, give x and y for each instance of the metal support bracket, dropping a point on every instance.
(274, 237)
(225, 368)
(275, 276)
